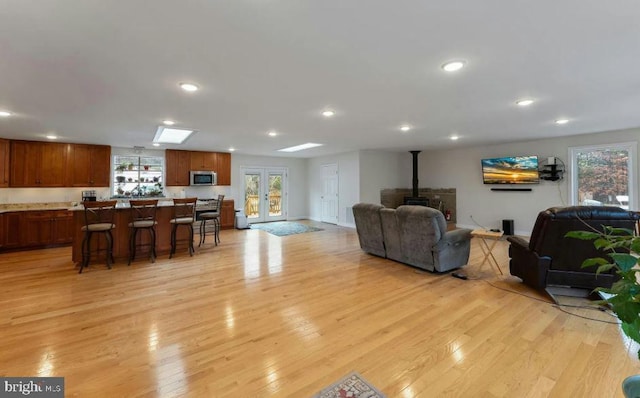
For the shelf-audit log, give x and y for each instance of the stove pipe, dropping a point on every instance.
(415, 172)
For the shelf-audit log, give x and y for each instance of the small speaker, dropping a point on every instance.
(507, 227)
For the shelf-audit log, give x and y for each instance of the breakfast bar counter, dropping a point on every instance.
(121, 235)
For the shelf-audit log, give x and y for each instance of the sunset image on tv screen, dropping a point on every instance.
(510, 170)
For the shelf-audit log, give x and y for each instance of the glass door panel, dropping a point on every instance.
(275, 194)
(252, 189)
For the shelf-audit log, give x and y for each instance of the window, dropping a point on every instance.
(137, 176)
(604, 175)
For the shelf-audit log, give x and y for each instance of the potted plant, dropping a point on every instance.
(623, 250)
(130, 166)
(121, 167)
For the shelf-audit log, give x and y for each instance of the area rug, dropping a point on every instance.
(284, 228)
(350, 386)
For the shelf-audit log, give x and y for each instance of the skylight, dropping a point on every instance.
(299, 147)
(167, 135)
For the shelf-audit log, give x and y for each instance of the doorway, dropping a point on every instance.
(329, 193)
(265, 192)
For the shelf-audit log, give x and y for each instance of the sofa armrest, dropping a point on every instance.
(455, 236)
(518, 241)
(527, 264)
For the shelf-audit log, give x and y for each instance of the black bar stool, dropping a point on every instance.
(214, 216)
(143, 217)
(98, 218)
(184, 212)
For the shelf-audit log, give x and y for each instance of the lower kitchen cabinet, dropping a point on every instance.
(227, 214)
(36, 229)
(10, 230)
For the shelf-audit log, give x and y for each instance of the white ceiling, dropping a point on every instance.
(107, 72)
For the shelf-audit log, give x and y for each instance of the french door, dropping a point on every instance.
(265, 194)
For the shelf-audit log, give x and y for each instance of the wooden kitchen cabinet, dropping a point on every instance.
(223, 168)
(5, 150)
(89, 165)
(37, 164)
(10, 226)
(177, 167)
(227, 214)
(46, 227)
(203, 161)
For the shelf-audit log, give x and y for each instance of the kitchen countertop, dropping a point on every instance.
(13, 207)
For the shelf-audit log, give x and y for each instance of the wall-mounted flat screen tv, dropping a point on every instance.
(511, 170)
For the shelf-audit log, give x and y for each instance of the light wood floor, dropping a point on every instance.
(263, 316)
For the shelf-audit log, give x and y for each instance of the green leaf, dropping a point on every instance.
(632, 330)
(601, 243)
(635, 245)
(618, 231)
(604, 268)
(592, 262)
(584, 235)
(624, 261)
(627, 311)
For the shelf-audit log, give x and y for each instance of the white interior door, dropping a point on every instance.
(265, 194)
(330, 193)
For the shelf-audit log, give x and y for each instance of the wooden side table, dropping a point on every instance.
(487, 248)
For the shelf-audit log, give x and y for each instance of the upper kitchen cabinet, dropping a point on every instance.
(4, 162)
(223, 168)
(89, 165)
(177, 166)
(203, 161)
(37, 164)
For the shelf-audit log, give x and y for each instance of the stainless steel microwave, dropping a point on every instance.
(197, 178)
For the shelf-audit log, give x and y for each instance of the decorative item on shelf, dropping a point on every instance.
(130, 166)
(156, 179)
(120, 191)
(120, 179)
(130, 179)
(121, 167)
(146, 167)
(551, 169)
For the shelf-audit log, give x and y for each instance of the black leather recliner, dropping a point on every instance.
(549, 258)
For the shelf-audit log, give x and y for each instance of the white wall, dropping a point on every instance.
(298, 187)
(460, 169)
(378, 170)
(348, 185)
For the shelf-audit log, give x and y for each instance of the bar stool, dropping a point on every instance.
(184, 211)
(214, 216)
(98, 218)
(143, 217)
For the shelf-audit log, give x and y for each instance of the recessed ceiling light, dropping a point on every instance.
(167, 135)
(51, 137)
(232, 149)
(169, 122)
(189, 87)
(454, 137)
(453, 66)
(300, 147)
(156, 144)
(5, 114)
(562, 121)
(272, 133)
(405, 127)
(328, 113)
(524, 102)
